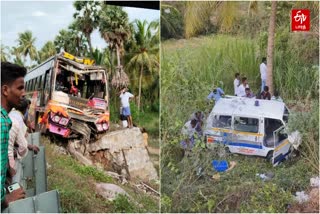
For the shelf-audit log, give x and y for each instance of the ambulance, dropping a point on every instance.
(250, 126)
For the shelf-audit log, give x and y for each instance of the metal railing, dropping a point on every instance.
(32, 176)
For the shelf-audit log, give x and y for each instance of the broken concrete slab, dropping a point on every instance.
(109, 191)
(117, 140)
(78, 155)
(123, 150)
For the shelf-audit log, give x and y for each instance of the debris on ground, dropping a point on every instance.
(301, 197)
(147, 189)
(314, 182)
(220, 166)
(310, 206)
(60, 150)
(109, 191)
(295, 139)
(200, 171)
(232, 165)
(216, 177)
(266, 176)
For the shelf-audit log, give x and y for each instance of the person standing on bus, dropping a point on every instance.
(12, 93)
(125, 96)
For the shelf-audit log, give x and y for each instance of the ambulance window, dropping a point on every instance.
(246, 124)
(222, 121)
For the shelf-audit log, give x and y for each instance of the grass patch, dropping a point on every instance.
(76, 186)
(189, 68)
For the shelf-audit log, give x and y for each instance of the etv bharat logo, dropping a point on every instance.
(300, 20)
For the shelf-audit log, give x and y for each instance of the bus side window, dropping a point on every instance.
(31, 85)
(26, 86)
(39, 83)
(46, 82)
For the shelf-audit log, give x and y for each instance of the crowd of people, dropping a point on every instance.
(14, 131)
(242, 88)
(193, 127)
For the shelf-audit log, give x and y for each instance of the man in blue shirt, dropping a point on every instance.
(216, 94)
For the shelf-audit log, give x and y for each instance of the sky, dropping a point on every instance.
(46, 18)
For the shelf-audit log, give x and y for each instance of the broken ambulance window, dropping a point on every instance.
(246, 124)
(222, 121)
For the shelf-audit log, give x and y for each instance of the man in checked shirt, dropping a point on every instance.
(12, 93)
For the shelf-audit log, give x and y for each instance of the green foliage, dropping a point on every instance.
(71, 40)
(87, 16)
(122, 205)
(263, 200)
(48, 50)
(166, 204)
(186, 79)
(307, 123)
(171, 22)
(26, 46)
(143, 64)
(114, 25)
(95, 173)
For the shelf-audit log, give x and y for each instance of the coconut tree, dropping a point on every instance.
(26, 45)
(199, 15)
(87, 17)
(17, 56)
(115, 29)
(46, 51)
(4, 54)
(271, 30)
(146, 50)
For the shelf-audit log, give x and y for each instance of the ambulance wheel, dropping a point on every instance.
(269, 156)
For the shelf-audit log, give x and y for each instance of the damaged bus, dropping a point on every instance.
(69, 97)
(250, 127)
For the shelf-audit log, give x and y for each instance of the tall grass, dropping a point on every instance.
(189, 69)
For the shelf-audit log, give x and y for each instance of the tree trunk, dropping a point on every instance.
(271, 32)
(140, 85)
(118, 55)
(90, 45)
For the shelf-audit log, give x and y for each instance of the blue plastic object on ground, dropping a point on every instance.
(220, 166)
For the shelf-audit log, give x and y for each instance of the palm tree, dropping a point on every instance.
(197, 16)
(272, 25)
(71, 40)
(87, 17)
(102, 57)
(46, 51)
(26, 45)
(16, 52)
(115, 29)
(146, 50)
(4, 55)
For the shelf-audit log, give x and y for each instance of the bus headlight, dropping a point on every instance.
(64, 121)
(105, 126)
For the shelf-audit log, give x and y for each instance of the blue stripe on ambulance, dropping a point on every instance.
(244, 145)
(280, 157)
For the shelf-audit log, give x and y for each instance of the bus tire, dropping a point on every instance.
(269, 156)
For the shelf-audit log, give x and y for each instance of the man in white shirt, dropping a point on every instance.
(236, 83)
(263, 72)
(242, 88)
(188, 131)
(17, 138)
(125, 96)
